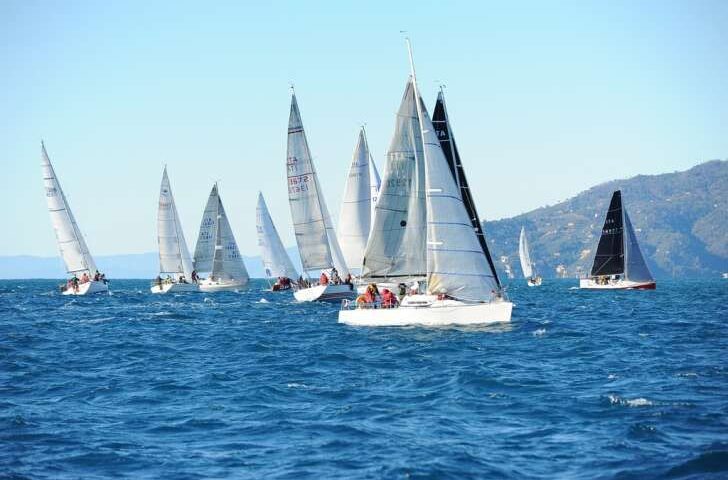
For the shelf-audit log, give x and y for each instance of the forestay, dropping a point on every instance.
(315, 235)
(71, 243)
(456, 263)
(276, 261)
(174, 257)
(524, 255)
(635, 265)
(397, 241)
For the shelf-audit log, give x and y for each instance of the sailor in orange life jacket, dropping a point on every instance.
(323, 280)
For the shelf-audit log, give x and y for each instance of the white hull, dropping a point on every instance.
(622, 284)
(425, 310)
(221, 286)
(87, 288)
(324, 293)
(534, 282)
(175, 288)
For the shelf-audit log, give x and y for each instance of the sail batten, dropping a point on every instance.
(71, 244)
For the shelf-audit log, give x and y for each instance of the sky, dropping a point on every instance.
(546, 99)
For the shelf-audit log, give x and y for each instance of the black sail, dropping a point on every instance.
(442, 129)
(609, 259)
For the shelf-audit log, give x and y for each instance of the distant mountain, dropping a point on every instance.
(681, 221)
(140, 265)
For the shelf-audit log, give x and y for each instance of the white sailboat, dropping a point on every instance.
(216, 252)
(315, 234)
(461, 286)
(276, 262)
(357, 207)
(71, 244)
(618, 262)
(175, 264)
(526, 264)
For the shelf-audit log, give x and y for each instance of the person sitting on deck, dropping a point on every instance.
(335, 278)
(402, 291)
(74, 282)
(195, 277)
(370, 296)
(415, 288)
(97, 276)
(361, 300)
(389, 299)
(158, 282)
(324, 279)
(84, 278)
(181, 279)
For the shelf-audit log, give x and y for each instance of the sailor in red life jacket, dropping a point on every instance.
(370, 296)
(323, 280)
(389, 299)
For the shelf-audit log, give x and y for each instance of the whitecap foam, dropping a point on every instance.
(263, 300)
(540, 332)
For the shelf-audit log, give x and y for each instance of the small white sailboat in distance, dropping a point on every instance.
(357, 206)
(216, 252)
(618, 262)
(175, 264)
(533, 280)
(276, 262)
(461, 287)
(315, 234)
(85, 277)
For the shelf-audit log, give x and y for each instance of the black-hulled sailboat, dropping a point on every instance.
(618, 263)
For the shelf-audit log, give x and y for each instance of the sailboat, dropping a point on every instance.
(276, 262)
(72, 246)
(175, 264)
(216, 251)
(526, 264)
(461, 287)
(357, 207)
(315, 234)
(618, 263)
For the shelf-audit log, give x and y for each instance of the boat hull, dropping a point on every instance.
(534, 282)
(175, 288)
(211, 286)
(590, 284)
(87, 288)
(437, 313)
(330, 293)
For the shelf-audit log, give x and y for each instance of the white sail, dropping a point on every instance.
(276, 261)
(456, 263)
(227, 262)
(217, 251)
(635, 267)
(356, 207)
(397, 241)
(174, 257)
(315, 235)
(524, 255)
(205, 246)
(71, 244)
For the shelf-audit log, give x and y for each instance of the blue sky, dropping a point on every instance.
(546, 99)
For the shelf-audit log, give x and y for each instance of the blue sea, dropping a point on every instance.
(612, 385)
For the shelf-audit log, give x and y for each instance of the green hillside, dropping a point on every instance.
(681, 221)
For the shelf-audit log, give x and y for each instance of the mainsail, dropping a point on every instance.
(443, 129)
(456, 263)
(276, 261)
(71, 244)
(174, 257)
(397, 242)
(524, 255)
(315, 235)
(356, 208)
(216, 250)
(609, 259)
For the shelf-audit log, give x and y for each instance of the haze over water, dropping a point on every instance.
(579, 385)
